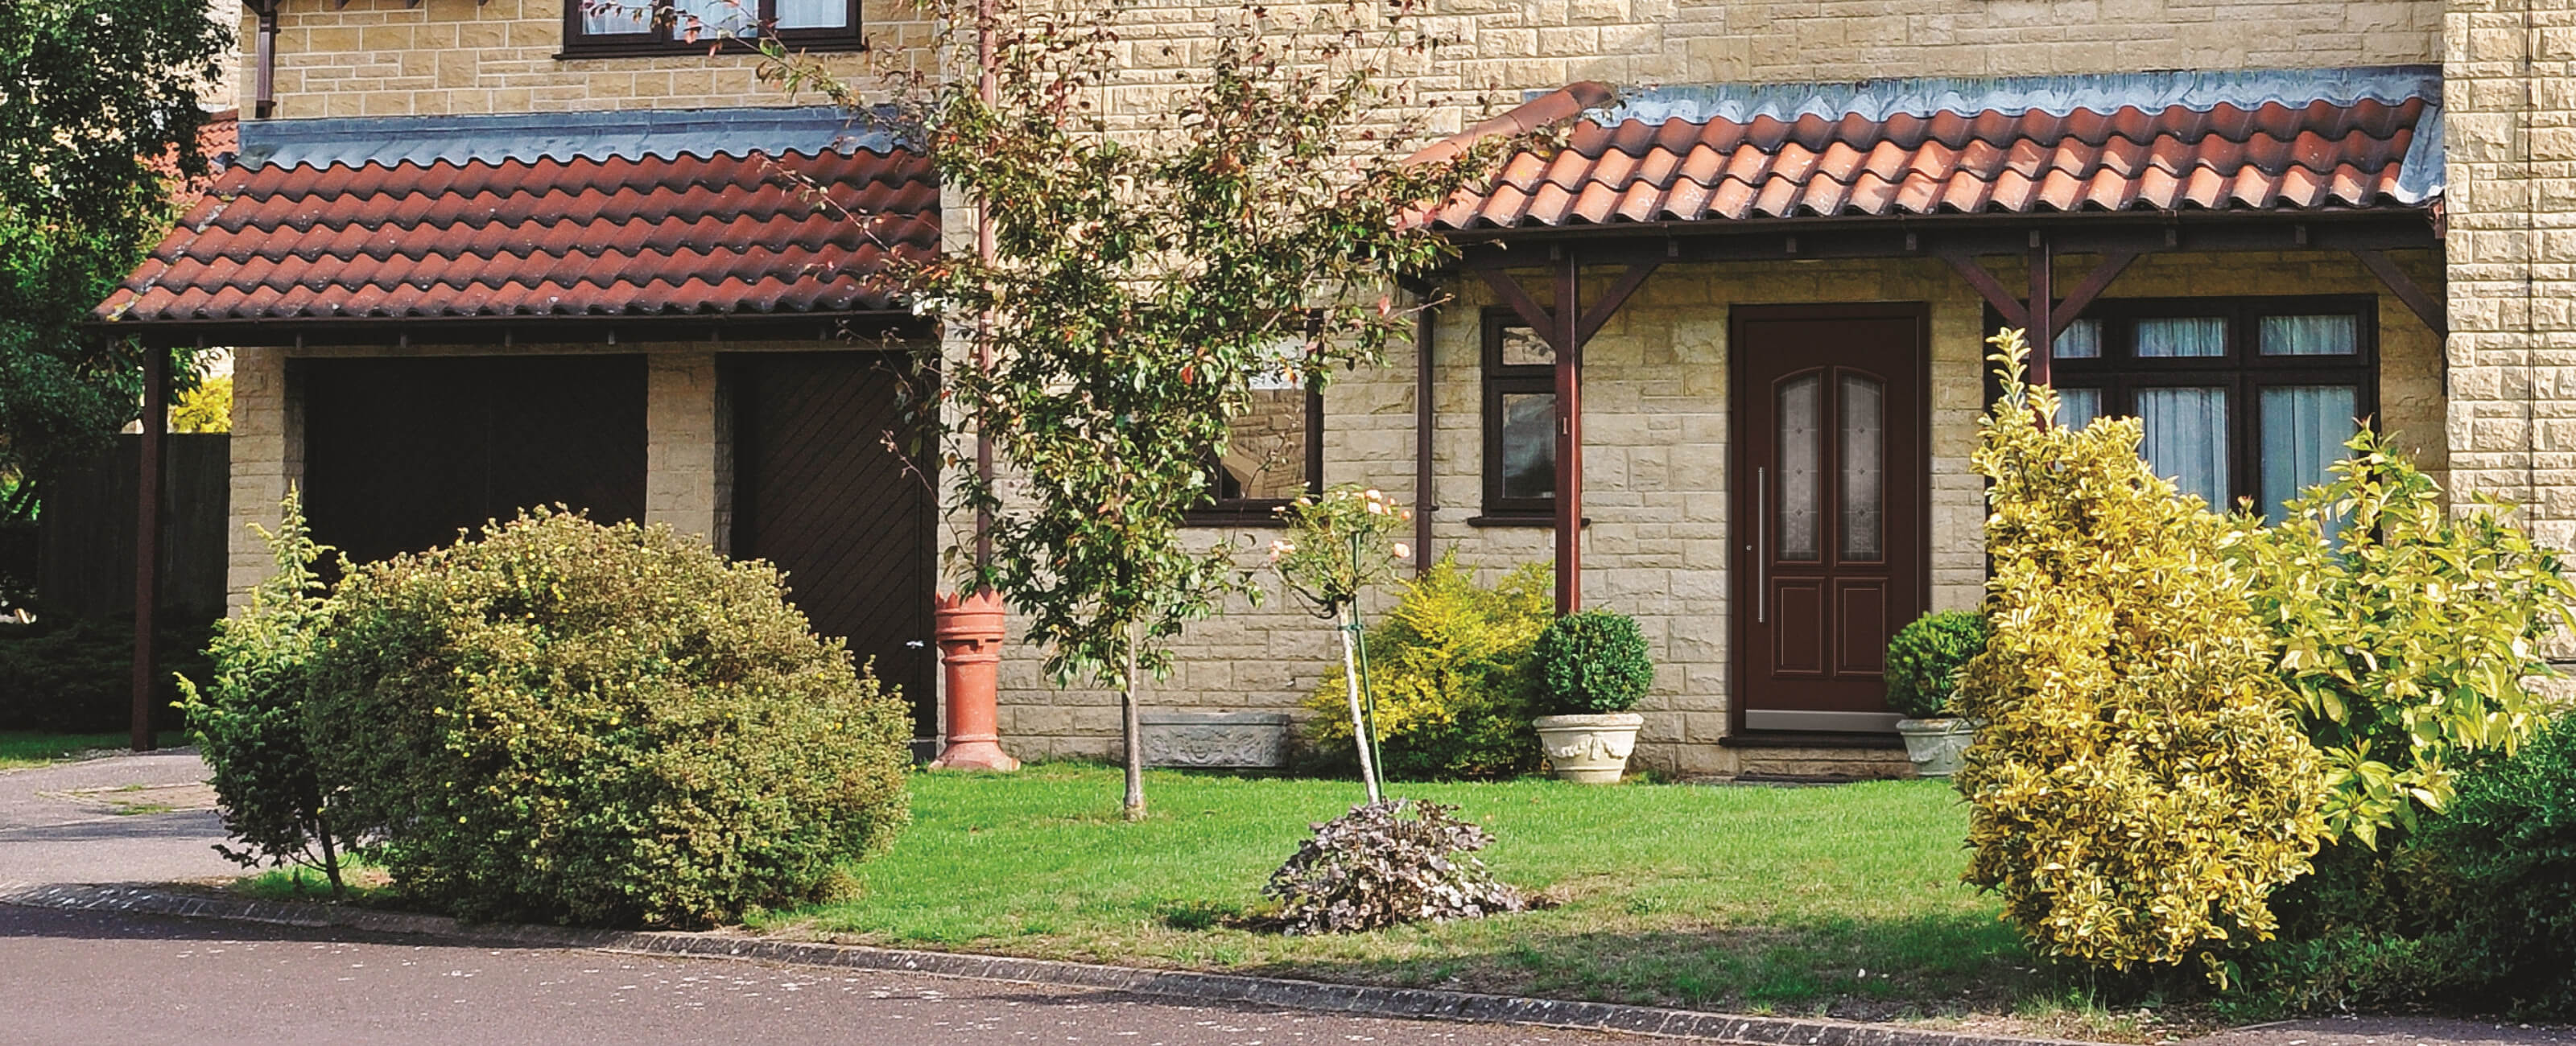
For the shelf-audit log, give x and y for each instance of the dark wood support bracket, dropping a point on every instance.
(1567, 328)
(2427, 308)
(1989, 288)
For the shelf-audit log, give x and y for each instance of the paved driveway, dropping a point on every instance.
(126, 818)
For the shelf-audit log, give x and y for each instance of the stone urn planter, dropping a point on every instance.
(1936, 745)
(1588, 749)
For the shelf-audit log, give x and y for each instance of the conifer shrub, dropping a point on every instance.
(2137, 786)
(1451, 675)
(601, 725)
(1924, 660)
(1592, 663)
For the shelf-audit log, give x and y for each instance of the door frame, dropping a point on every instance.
(1740, 508)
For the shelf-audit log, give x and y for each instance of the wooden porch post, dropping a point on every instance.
(147, 537)
(2042, 310)
(1569, 437)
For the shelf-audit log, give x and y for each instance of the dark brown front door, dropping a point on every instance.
(819, 494)
(1830, 475)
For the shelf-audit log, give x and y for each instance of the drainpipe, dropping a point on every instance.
(1425, 415)
(264, 97)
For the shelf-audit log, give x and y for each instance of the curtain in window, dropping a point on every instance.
(2077, 408)
(615, 16)
(2304, 427)
(714, 18)
(813, 14)
(2186, 439)
(2183, 336)
(1529, 445)
(2081, 340)
(2311, 335)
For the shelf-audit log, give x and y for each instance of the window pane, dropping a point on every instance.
(2186, 336)
(1523, 347)
(2077, 408)
(615, 16)
(708, 19)
(1265, 450)
(1529, 445)
(2081, 340)
(2304, 427)
(2311, 335)
(1864, 476)
(813, 14)
(1801, 461)
(2186, 439)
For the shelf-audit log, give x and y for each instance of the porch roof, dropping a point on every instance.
(653, 215)
(2237, 141)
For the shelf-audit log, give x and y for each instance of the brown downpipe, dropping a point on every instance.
(264, 98)
(1425, 415)
(989, 90)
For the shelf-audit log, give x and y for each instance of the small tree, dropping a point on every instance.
(1140, 280)
(248, 719)
(1337, 546)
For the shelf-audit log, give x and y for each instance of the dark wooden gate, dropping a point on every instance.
(85, 534)
(401, 453)
(818, 493)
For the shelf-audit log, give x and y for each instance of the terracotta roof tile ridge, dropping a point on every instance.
(1554, 107)
(173, 246)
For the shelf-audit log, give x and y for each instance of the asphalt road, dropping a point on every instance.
(92, 977)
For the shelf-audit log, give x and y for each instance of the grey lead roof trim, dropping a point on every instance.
(526, 137)
(2420, 177)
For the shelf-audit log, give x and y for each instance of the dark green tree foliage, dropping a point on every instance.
(1924, 660)
(2508, 847)
(98, 103)
(248, 719)
(1593, 662)
(604, 725)
(1143, 278)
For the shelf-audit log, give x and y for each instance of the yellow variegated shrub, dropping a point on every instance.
(2137, 786)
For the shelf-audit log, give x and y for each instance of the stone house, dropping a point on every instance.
(1720, 356)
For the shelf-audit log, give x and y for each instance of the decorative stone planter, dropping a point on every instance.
(1936, 745)
(1215, 740)
(1588, 749)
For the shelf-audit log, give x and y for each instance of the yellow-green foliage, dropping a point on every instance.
(1449, 669)
(2136, 787)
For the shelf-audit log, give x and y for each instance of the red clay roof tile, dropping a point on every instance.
(608, 236)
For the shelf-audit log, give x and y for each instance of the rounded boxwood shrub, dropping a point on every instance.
(1924, 659)
(1593, 662)
(602, 725)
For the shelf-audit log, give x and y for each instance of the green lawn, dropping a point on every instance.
(1744, 898)
(20, 748)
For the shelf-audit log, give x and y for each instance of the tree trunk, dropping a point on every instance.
(1134, 731)
(1359, 722)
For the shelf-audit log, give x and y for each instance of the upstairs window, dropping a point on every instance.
(595, 28)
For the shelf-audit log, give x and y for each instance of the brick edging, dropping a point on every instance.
(1367, 1000)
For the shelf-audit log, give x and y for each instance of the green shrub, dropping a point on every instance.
(2136, 788)
(248, 720)
(1375, 867)
(1449, 670)
(606, 725)
(2508, 845)
(75, 675)
(1924, 660)
(2410, 634)
(1593, 662)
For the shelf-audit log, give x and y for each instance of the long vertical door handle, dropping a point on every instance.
(1761, 546)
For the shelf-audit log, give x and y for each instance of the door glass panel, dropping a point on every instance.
(2311, 335)
(2077, 408)
(2186, 439)
(2304, 427)
(813, 14)
(1529, 445)
(1864, 474)
(2081, 340)
(1801, 453)
(2183, 336)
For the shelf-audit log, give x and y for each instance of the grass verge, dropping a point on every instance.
(21, 748)
(1841, 900)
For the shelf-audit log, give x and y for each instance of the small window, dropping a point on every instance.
(1274, 453)
(1520, 421)
(594, 28)
(2240, 397)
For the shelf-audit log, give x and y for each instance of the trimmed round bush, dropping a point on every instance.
(1924, 660)
(1592, 663)
(600, 725)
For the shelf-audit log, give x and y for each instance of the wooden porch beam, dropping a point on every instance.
(1989, 288)
(2040, 314)
(2113, 263)
(2431, 310)
(1569, 435)
(1509, 290)
(147, 537)
(1601, 311)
